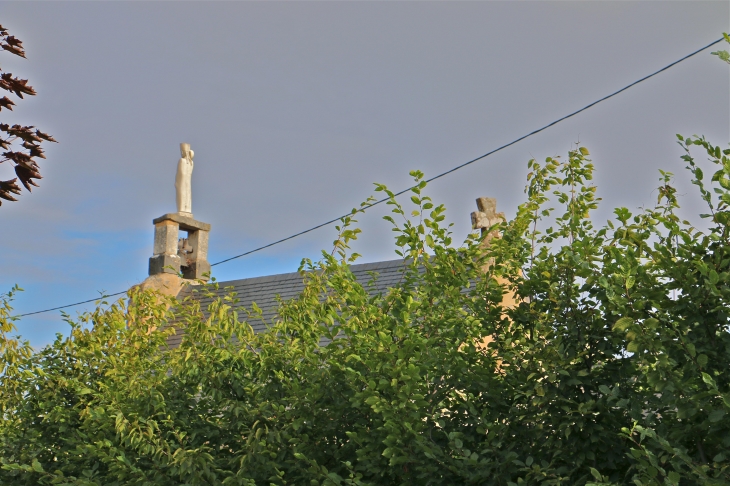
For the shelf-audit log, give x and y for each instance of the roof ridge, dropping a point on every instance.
(357, 268)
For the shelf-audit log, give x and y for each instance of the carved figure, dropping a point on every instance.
(183, 178)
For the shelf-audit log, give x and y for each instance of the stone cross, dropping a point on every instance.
(483, 219)
(486, 217)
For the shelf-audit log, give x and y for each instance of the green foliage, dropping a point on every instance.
(723, 55)
(610, 367)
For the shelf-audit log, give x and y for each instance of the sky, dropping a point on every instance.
(295, 109)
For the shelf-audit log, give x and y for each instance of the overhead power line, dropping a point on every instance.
(476, 159)
(454, 169)
(72, 305)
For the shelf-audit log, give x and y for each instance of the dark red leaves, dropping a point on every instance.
(45, 136)
(6, 103)
(11, 44)
(27, 175)
(16, 85)
(28, 137)
(27, 134)
(6, 187)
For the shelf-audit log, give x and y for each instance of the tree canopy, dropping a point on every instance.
(611, 368)
(608, 364)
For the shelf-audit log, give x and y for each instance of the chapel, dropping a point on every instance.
(178, 263)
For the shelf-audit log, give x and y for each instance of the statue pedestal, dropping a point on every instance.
(172, 254)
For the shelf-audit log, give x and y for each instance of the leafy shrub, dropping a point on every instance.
(609, 368)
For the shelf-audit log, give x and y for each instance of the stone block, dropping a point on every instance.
(196, 270)
(198, 240)
(479, 220)
(166, 235)
(487, 205)
(487, 215)
(164, 264)
(185, 223)
(168, 258)
(164, 283)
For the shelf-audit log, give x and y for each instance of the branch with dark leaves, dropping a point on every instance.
(21, 144)
(11, 44)
(6, 103)
(7, 187)
(16, 85)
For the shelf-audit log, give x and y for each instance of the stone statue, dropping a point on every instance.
(182, 181)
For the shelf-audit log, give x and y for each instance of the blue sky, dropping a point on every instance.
(294, 109)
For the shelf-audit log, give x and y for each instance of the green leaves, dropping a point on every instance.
(709, 381)
(553, 353)
(716, 415)
(723, 55)
(623, 324)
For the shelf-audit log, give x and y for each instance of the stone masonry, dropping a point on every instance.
(174, 255)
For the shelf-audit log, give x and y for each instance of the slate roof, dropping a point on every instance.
(263, 290)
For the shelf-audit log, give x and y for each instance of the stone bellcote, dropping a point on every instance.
(172, 254)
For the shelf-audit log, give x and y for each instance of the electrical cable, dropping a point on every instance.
(72, 305)
(454, 169)
(476, 159)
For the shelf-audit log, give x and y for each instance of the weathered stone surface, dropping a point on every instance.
(166, 235)
(487, 204)
(186, 223)
(164, 264)
(191, 260)
(198, 240)
(197, 270)
(164, 283)
(486, 217)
